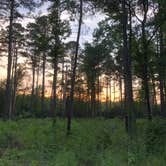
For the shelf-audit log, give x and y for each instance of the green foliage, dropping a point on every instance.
(36, 142)
(155, 136)
(147, 148)
(95, 142)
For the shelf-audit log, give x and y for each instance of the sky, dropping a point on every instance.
(88, 26)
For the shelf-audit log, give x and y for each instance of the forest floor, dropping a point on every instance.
(98, 142)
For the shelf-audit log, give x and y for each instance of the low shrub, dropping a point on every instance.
(155, 136)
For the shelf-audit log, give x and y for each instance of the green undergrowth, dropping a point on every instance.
(98, 142)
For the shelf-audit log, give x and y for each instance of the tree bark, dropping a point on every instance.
(121, 93)
(43, 84)
(9, 66)
(33, 87)
(15, 83)
(154, 92)
(145, 62)
(127, 74)
(74, 70)
(161, 68)
(37, 79)
(107, 97)
(114, 87)
(53, 100)
(65, 91)
(110, 93)
(93, 99)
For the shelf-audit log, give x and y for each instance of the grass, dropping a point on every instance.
(98, 142)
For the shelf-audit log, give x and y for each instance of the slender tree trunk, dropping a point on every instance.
(161, 75)
(62, 87)
(33, 87)
(121, 93)
(99, 102)
(74, 70)
(110, 94)
(37, 79)
(53, 100)
(9, 66)
(22, 100)
(14, 83)
(43, 84)
(107, 97)
(127, 74)
(93, 99)
(154, 91)
(65, 91)
(145, 62)
(114, 90)
(164, 90)
(88, 101)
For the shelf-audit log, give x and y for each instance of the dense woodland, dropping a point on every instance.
(109, 92)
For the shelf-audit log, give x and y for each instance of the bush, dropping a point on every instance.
(155, 136)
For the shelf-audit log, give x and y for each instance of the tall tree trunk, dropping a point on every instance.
(74, 70)
(165, 90)
(98, 96)
(9, 66)
(33, 87)
(114, 88)
(127, 74)
(154, 91)
(14, 83)
(43, 84)
(145, 62)
(110, 93)
(53, 100)
(12, 80)
(93, 99)
(107, 97)
(88, 101)
(65, 91)
(121, 93)
(62, 86)
(161, 74)
(37, 79)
